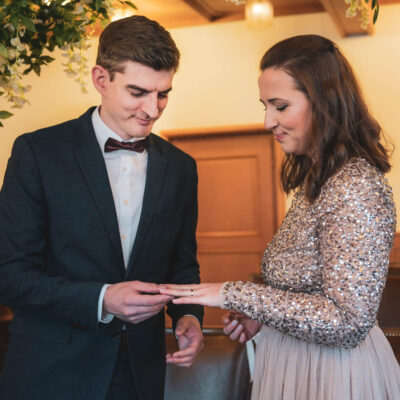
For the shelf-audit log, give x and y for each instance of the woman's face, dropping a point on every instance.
(287, 110)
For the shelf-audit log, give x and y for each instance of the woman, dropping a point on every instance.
(325, 269)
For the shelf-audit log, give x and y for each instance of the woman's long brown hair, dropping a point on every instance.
(342, 126)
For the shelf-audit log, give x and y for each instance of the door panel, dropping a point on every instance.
(240, 201)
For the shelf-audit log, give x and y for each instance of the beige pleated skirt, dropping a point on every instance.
(287, 368)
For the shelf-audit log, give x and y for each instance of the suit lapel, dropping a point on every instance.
(156, 165)
(93, 168)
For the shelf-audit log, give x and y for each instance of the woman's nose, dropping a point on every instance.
(270, 120)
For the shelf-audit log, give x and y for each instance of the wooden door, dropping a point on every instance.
(240, 203)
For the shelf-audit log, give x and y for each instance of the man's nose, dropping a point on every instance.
(150, 105)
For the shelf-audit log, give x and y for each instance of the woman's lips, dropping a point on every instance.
(279, 136)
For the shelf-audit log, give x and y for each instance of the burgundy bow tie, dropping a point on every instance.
(113, 144)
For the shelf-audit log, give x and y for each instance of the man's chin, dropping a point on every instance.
(139, 130)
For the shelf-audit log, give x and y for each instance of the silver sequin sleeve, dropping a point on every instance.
(326, 267)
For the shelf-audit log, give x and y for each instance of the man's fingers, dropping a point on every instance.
(182, 358)
(180, 354)
(135, 319)
(154, 299)
(173, 286)
(145, 287)
(178, 292)
(140, 313)
(138, 310)
(180, 363)
(146, 300)
(191, 350)
(138, 319)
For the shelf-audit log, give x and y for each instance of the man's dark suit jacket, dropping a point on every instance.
(60, 243)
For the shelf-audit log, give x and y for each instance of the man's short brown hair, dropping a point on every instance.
(137, 39)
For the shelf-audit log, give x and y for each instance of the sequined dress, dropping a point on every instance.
(324, 272)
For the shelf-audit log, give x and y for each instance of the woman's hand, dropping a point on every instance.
(239, 326)
(206, 294)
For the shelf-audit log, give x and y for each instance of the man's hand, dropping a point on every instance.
(190, 342)
(239, 326)
(134, 301)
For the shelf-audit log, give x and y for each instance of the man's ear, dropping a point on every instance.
(100, 78)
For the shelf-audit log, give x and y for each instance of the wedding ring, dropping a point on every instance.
(191, 292)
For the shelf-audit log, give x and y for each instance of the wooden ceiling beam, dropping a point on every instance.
(296, 8)
(203, 8)
(346, 26)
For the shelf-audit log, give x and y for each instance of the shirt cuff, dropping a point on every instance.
(108, 317)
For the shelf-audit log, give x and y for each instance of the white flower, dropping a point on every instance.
(11, 54)
(10, 27)
(16, 42)
(350, 13)
(21, 30)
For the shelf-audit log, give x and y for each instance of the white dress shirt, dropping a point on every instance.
(127, 175)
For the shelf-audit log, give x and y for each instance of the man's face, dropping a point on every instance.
(134, 99)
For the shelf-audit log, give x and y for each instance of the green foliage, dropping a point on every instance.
(361, 7)
(30, 29)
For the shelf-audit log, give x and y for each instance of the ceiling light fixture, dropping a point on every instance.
(259, 13)
(121, 12)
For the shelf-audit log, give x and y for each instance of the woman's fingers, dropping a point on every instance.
(228, 329)
(188, 300)
(237, 332)
(177, 292)
(183, 290)
(204, 294)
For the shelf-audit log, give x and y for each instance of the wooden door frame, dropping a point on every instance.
(253, 129)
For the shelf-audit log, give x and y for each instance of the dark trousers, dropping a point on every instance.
(122, 385)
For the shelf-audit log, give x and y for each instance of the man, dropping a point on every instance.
(94, 214)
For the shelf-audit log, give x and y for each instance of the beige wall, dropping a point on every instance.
(217, 82)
